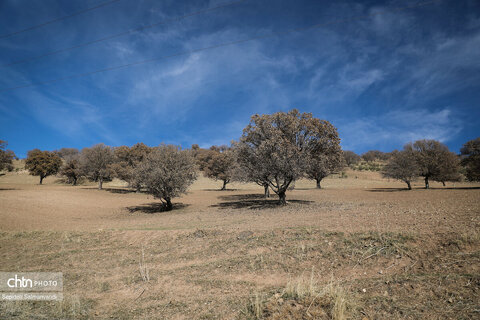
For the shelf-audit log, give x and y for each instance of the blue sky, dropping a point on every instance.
(381, 75)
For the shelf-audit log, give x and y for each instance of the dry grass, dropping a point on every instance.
(304, 298)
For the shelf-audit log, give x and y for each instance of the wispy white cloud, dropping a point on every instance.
(399, 127)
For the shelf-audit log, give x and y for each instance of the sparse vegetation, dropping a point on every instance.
(236, 253)
(368, 166)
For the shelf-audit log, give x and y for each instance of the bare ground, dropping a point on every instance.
(231, 254)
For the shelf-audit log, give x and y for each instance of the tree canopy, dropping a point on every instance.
(434, 160)
(126, 160)
(218, 164)
(96, 163)
(276, 149)
(166, 172)
(42, 163)
(402, 166)
(471, 159)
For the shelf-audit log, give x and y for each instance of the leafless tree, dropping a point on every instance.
(218, 164)
(96, 163)
(351, 157)
(402, 166)
(242, 175)
(435, 161)
(471, 159)
(72, 169)
(373, 155)
(275, 149)
(67, 153)
(326, 156)
(42, 163)
(166, 172)
(6, 157)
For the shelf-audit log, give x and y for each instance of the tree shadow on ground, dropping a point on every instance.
(253, 202)
(457, 188)
(219, 189)
(155, 207)
(420, 188)
(7, 189)
(115, 190)
(389, 189)
(122, 190)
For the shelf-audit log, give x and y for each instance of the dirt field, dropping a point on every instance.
(362, 247)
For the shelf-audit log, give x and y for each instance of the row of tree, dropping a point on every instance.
(274, 151)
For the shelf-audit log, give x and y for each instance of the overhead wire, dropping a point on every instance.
(98, 6)
(138, 29)
(225, 44)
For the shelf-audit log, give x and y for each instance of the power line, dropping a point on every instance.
(225, 44)
(122, 33)
(59, 19)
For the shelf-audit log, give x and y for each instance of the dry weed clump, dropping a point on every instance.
(304, 298)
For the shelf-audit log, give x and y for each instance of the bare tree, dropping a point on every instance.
(276, 148)
(6, 157)
(351, 157)
(435, 161)
(96, 163)
(218, 164)
(402, 166)
(166, 172)
(67, 153)
(42, 163)
(72, 169)
(448, 169)
(326, 157)
(471, 159)
(242, 175)
(373, 155)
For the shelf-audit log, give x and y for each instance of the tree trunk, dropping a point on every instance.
(318, 183)
(100, 183)
(168, 205)
(408, 184)
(443, 182)
(224, 187)
(137, 189)
(427, 185)
(41, 178)
(267, 190)
(74, 181)
(282, 198)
